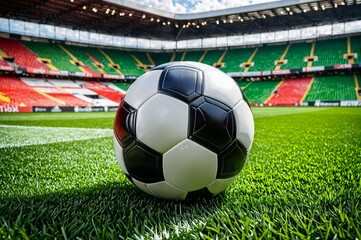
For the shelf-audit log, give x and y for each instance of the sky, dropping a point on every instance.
(195, 6)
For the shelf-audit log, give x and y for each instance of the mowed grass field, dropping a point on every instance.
(59, 179)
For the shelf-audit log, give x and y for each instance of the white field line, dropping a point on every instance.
(16, 136)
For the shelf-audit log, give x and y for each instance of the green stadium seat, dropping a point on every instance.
(234, 58)
(332, 88)
(296, 54)
(330, 52)
(257, 92)
(265, 58)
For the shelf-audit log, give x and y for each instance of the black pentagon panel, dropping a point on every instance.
(211, 124)
(182, 82)
(231, 160)
(143, 163)
(201, 193)
(124, 123)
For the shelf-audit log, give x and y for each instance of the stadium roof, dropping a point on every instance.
(126, 18)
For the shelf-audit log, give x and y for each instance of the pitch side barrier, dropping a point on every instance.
(350, 103)
(16, 109)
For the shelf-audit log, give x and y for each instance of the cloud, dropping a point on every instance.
(196, 6)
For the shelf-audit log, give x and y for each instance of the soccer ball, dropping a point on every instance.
(183, 130)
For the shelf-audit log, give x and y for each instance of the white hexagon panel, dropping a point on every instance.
(161, 128)
(166, 191)
(219, 185)
(189, 166)
(143, 88)
(221, 87)
(245, 124)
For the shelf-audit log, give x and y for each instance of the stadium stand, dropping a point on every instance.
(212, 57)
(160, 57)
(266, 56)
(243, 84)
(103, 91)
(142, 59)
(122, 85)
(234, 58)
(19, 93)
(56, 92)
(330, 52)
(93, 58)
(128, 66)
(296, 56)
(78, 55)
(195, 56)
(355, 46)
(3, 63)
(332, 88)
(290, 92)
(53, 52)
(257, 92)
(22, 56)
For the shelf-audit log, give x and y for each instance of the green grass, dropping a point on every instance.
(302, 180)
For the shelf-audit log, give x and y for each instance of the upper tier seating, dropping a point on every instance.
(257, 92)
(161, 57)
(266, 56)
(290, 92)
(89, 56)
(296, 55)
(234, 58)
(58, 57)
(128, 66)
(212, 56)
(330, 52)
(193, 56)
(23, 57)
(355, 42)
(21, 94)
(82, 56)
(142, 57)
(332, 88)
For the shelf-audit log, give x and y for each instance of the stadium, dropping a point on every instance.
(66, 65)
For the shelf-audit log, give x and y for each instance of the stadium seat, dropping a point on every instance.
(332, 88)
(161, 57)
(22, 56)
(330, 52)
(21, 94)
(212, 57)
(296, 55)
(257, 92)
(234, 58)
(53, 52)
(122, 86)
(266, 56)
(290, 92)
(104, 91)
(355, 42)
(128, 66)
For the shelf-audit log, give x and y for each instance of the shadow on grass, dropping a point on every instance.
(104, 211)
